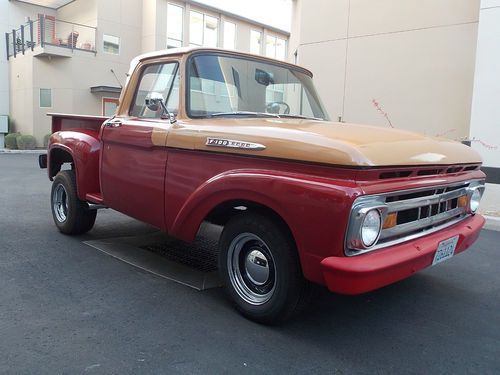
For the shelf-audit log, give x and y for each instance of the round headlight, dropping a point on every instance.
(370, 229)
(475, 198)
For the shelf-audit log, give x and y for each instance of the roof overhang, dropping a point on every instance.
(105, 89)
(53, 4)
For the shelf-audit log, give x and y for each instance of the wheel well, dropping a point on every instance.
(59, 157)
(222, 213)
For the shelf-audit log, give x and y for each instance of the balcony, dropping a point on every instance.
(48, 36)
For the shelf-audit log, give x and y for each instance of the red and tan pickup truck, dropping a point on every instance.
(244, 142)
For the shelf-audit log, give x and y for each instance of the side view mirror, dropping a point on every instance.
(153, 101)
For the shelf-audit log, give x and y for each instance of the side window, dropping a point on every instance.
(160, 79)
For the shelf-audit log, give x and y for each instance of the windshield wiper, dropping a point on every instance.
(302, 117)
(261, 114)
(243, 113)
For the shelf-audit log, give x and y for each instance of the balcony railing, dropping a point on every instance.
(48, 31)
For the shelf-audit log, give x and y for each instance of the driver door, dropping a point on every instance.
(133, 154)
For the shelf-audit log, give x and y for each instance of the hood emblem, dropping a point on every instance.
(232, 143)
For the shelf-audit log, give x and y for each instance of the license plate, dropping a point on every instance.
(445, 250)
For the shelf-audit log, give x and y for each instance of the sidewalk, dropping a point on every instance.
(7, 151)
(490, 206)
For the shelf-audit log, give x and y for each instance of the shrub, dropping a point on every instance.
(11, 141)
(46, 138)
(26, 142)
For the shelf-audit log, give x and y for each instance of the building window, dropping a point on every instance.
(229, 35)
(275, 47)
(45, 98)
(109, 106)
(203, 29)
(255, 42)
(211, 31)
(175, 17)
(111, 44)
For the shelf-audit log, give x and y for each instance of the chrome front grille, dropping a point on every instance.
(430, 208)
(418, 212)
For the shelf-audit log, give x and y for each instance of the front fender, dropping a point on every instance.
(84, 148)
(315, 209)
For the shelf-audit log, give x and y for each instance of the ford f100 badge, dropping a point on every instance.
(231, 143)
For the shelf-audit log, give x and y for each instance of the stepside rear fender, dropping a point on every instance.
(81, 149)
(315, 210)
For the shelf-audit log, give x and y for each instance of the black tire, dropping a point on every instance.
(71, 215)
(249, 243)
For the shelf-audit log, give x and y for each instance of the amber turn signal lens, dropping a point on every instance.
(391, 220)
(463, 201)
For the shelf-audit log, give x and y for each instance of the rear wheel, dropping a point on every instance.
(71, 215)
(260, 267)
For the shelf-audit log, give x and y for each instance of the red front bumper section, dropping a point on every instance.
(366, 272)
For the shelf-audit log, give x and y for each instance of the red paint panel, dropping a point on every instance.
(390, 185)
(133, 172)
(76, 122)
(84, 147)
(314, 201)
(363, 273)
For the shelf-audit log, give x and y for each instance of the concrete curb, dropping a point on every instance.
(6, 151)
(492, 223)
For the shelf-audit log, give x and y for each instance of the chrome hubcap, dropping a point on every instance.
(257, 267)
(251, 268)
(60, 203)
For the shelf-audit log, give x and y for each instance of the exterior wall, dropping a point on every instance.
(12, 14)
(154, 31)
(485, 121)
(70, 82)
(82, 12)
(21, 95)
(414, 58)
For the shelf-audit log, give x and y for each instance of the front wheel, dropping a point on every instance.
(261, 270)
(71, 215)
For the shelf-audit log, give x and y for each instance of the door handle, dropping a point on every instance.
(113, 123)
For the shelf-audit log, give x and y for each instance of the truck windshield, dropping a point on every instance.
(226, 86)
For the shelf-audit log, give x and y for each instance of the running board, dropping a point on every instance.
(93, 206)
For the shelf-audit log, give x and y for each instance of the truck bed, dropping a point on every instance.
(64, 121)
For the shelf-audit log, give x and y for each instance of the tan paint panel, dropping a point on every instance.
(159, 137)
(322, 142)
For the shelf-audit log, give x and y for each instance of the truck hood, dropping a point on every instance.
(319, 141)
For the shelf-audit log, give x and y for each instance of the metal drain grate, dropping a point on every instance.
(201, 254)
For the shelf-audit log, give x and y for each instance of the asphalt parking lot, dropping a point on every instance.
(68, 308)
